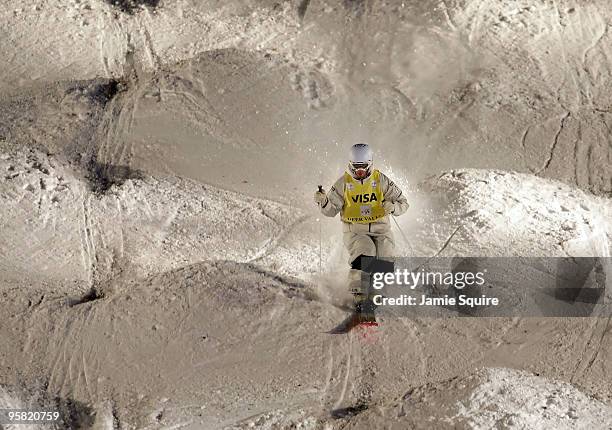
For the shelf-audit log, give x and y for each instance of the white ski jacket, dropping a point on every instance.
(335, 201)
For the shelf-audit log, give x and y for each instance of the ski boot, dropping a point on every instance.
(364, 310)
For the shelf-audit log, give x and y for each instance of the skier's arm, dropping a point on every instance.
(394, 195)
(335, 199)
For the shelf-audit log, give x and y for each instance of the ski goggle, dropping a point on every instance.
(360, 170)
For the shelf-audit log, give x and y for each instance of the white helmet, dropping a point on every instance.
(360, 161)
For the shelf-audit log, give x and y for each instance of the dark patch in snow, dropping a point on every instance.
(350, 411)
(103, 176)
(74, 414)
(92, 295)
(103, 93)
(132, 6)
(302, 7)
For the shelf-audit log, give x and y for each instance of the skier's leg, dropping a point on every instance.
(357, 245)
(385, 245)
(364, 303)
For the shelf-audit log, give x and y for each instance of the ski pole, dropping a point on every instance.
(402, 233)
(320, 239)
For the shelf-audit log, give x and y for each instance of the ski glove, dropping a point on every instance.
(389, 207)
(320, 198)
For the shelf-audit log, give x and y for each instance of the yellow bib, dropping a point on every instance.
(362, 202)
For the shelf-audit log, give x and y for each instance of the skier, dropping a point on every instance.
(365, 198)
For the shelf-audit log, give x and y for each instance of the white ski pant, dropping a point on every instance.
(360, 239)
(380, 245)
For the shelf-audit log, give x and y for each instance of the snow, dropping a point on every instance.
(515, 399)
(142, 226)
(49, 33)
(512, 214)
